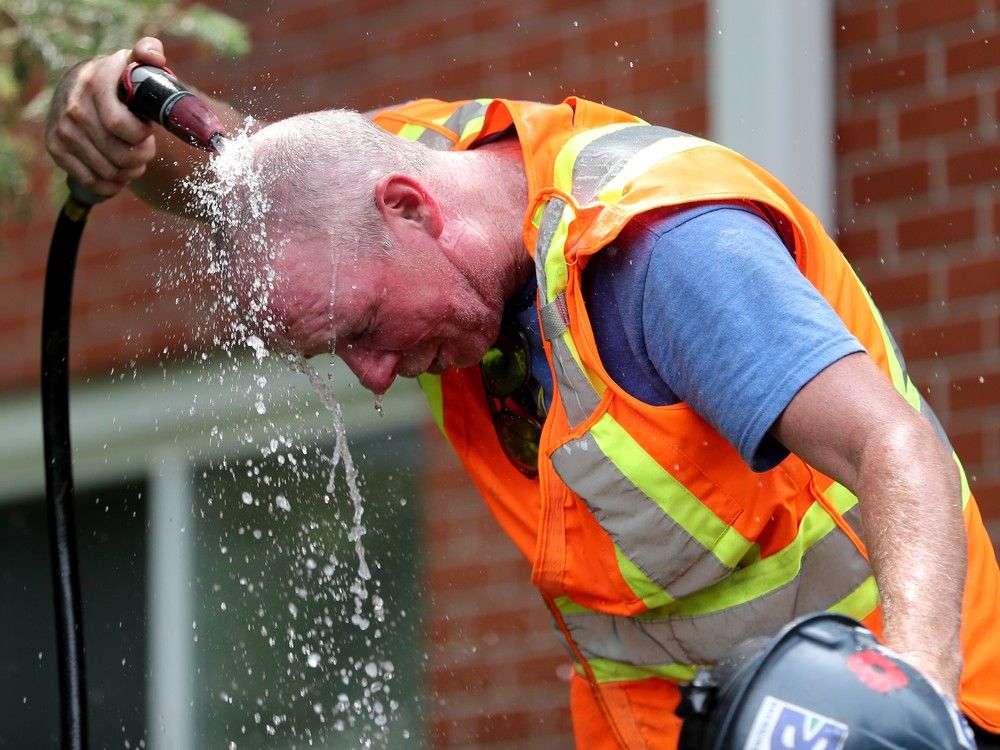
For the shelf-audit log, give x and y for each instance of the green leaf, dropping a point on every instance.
(221, 32)
(9, 87)
(40, 39)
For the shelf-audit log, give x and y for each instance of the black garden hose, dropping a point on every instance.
(151, 93)
(59, 472)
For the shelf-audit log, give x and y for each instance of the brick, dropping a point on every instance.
(988, 498)
(886, 75)
(913, 15)
(901, 291)
(940, 228)
(514, 725)
(860, 27)
(857, 134)
(545, 669)
(976, 391)
(543, 54)
(693, 119)
(664, 74)
(978, 53)
(969, 445)
(858, 244)
(461, 679)
(690, 19)
(893, 182)
(974, 278)
(940, 117)
(943, 339)
(979, 165)
(457, 577)
(491, 16)
(413, 36)
(629, 33)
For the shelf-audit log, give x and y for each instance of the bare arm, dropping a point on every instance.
(853, 426)
(94, 137)
(102, 145)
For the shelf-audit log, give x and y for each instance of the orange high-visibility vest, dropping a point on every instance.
(655, 546)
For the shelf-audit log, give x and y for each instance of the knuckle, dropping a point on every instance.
(74, 111)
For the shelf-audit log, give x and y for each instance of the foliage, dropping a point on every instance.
(41, 39)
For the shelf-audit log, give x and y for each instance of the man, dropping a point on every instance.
(673, 393)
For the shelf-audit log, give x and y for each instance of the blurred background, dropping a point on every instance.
(216, 567)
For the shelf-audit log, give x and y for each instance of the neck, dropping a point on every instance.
(490, 198)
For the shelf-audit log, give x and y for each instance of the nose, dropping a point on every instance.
(375, 370)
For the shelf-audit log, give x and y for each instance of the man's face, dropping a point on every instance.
(403, 314)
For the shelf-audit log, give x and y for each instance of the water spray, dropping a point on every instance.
(151, 93)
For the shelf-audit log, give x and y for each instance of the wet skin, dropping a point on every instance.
(406, 313)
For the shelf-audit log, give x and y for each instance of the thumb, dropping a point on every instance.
(149, 51)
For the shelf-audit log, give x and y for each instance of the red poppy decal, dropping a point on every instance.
(877, 671)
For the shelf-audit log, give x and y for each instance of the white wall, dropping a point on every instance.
(771, 91)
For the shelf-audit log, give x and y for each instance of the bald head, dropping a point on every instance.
(335, 222)
(320, 171)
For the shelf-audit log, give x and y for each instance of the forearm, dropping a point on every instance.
(910, 501)
(851, 424)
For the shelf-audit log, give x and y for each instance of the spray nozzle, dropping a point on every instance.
(153, 93)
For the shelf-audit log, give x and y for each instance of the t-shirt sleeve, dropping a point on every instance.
(734, 328)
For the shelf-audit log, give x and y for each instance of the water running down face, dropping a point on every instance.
(365, 262)
(404, 313)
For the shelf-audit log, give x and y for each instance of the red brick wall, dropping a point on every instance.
(917, 102)
(918, 95)
(496, 672)
(309, 54)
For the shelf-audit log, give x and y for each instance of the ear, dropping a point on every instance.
(402, 199)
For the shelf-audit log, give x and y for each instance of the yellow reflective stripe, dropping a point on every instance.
(473, 126)
(674, 499)
(614, 671)
(536, 218)
(840, 497)
(651, 594)
(567, 606)
(555, 269)
(431, 386)
(966, 490)
(754, 580)
(563, 168)
(900, 380)
(859, 603)
(642, 160)
(411, 132)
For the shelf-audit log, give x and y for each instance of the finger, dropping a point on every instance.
(79, 172)
(113, 116)
(77, 141)
(148, 50)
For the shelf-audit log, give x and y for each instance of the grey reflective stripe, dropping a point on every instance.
(546, 231)
(456, 123)
(831, 569)
(553, 318)
(601, 160)
(433, 139)
(853, 519)
(925, 408)
(464, 115)
(659, 546)
(579, 397)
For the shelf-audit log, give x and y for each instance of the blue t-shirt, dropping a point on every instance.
(706, 306)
